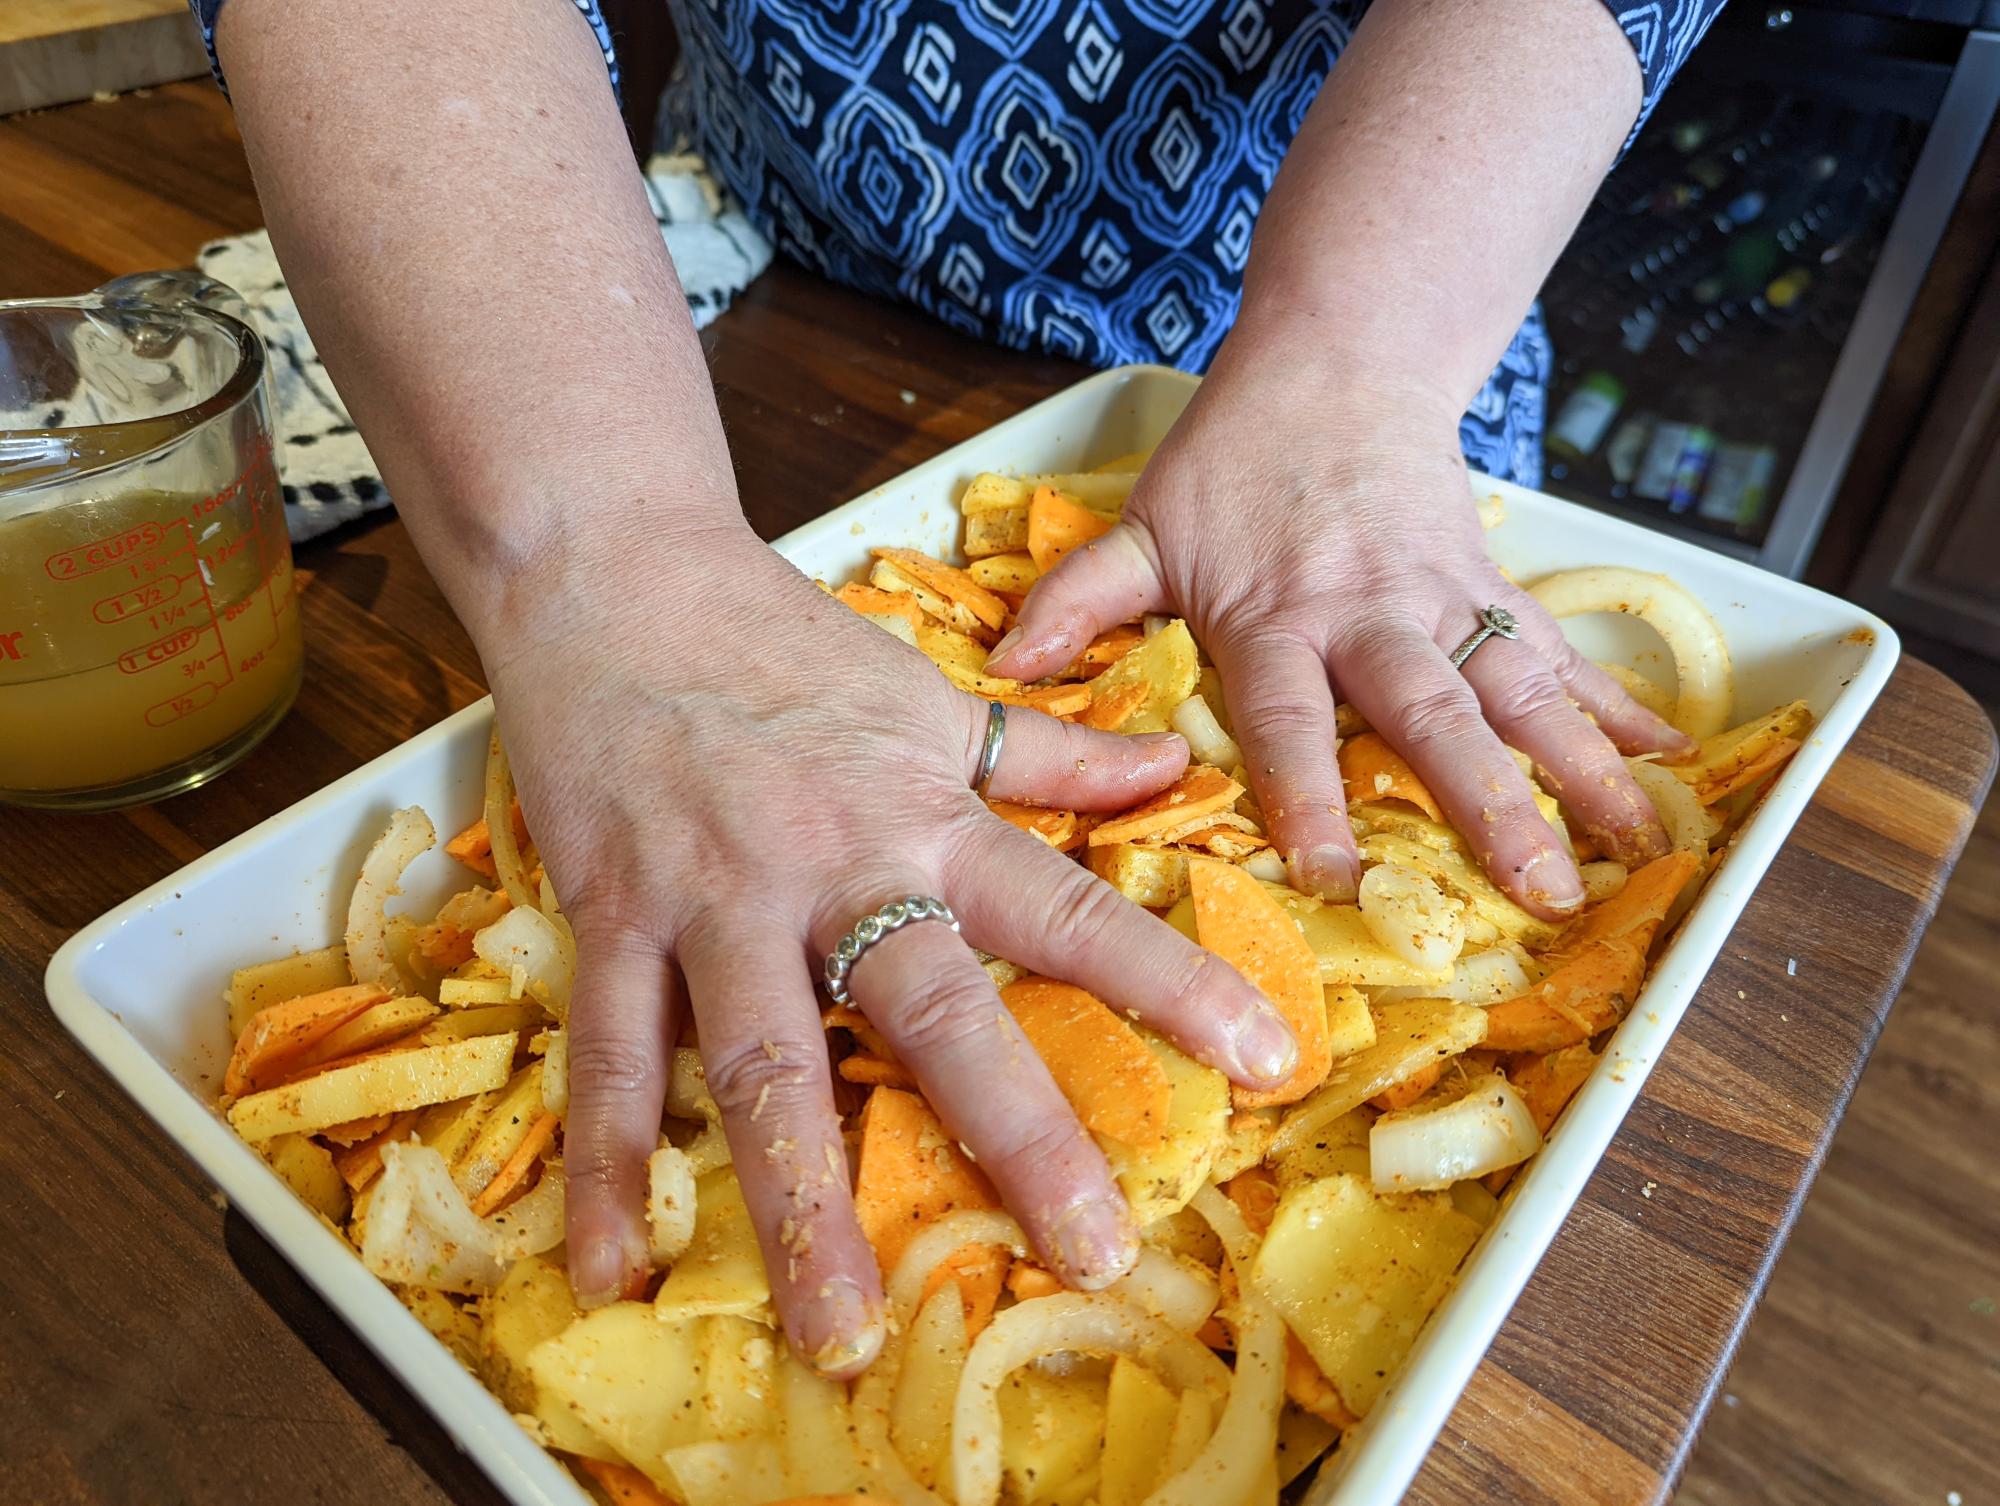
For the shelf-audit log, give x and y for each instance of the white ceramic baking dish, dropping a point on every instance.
(141, 987)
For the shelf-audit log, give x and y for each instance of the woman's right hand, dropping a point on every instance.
(724, 772)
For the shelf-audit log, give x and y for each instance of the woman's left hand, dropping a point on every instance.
(1322, 545)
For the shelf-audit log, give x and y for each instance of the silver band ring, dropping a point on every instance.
(871, 929)
(1491, 620)
(989, 752)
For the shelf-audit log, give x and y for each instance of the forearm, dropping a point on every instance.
(455, 204)
(1431, 187)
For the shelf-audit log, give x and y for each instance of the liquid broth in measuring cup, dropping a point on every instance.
(149, 621)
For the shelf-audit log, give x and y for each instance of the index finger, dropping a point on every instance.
(1403, 684)
(765, 1059)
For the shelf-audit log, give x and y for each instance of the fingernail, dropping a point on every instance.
(597, 1272)
(1000, 649)
(1552, 880)
(1093, 1245)
(849, 1329)
(1327, 873)
(1158, 739)
(1266, 1049)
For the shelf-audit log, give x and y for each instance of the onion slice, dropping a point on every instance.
(529, 940)
(500, 825)
(1417, 1150)
(407, 837)
(420, 1231)
(1205, 738)
(1091, 1322)
(1689, 824)
(1701, 657)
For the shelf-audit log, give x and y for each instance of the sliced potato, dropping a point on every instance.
(1139, 1413)
(375, 1026)
(532, 1303)
(513, 1113)
(1151, 876)
(744, 1472)
(377, 1085)
(741, 1397)
(631, 1378)
(307, 1168)
(1350, 1026)
(1355, 1273)
(265, 983)
(1156, 1182)
(1726, 753)
(722, 1271)
(1410, 1034)
(1167, 665)
(816, 1441)
(1051, 1434)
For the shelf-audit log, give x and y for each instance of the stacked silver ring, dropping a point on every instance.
(872, 928)
(1492, 620)
(989, 750)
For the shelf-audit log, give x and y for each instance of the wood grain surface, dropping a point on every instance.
(154, 1349)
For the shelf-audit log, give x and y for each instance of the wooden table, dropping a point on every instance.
(154, 1349)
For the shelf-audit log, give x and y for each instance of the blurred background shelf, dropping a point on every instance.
(1744, 312)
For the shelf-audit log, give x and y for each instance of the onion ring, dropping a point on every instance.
(1088, 1321)
(407, 837)
(1701, 657)
(500, 827)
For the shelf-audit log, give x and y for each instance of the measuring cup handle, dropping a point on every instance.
(176, 289)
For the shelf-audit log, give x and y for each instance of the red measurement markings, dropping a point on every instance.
(174, 645)
(142, 598)
(174, 707)
(10, 645)
(102, 554)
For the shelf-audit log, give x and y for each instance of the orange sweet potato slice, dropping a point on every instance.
(949, 582)
(1106, 649)
(873, 601)
(359, 1163)
(1027, 1281)
(1597, 966)
(474, 846)
(622, 1483)
(912, 1173)
(1107, 713)
(1401, 1095)
(1372, 770)
(1057, 828)
(1116, 1085)
(280, 1034)
(1052, 700)
(514, 1170)
(1057, 524)
(1199, 792)
(1308, 1389)
(1235, 919)
(1254, 1191)
(980, 1271)
(868, 1071)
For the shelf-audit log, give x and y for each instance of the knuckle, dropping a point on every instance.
(1438, 716)
(746, 1079)
(1286, 724)
(1086, 913)
(944, 1012)
(1530, 698)
(611, 1067)
(1050, 1145)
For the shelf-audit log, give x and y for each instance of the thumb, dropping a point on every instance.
(1110, 580)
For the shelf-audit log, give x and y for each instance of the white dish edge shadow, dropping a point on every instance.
(1852, 652)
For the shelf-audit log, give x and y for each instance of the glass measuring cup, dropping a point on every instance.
(149, 625)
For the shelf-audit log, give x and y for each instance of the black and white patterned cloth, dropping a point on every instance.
(329, 477)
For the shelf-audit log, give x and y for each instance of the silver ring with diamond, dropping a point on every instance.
(871, 929)
(1492, 620)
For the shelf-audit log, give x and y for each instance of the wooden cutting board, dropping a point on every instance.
(55, 51)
